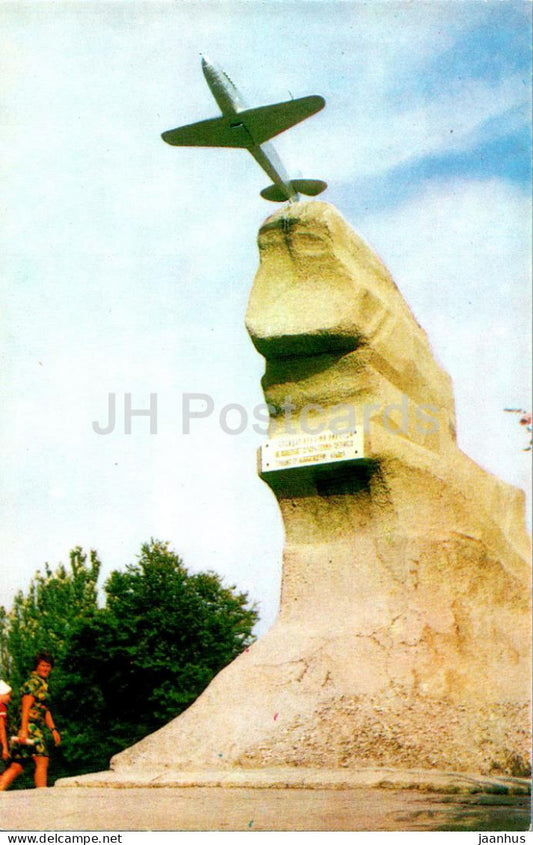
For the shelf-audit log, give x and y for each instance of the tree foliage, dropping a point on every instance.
(125, 669)
(45, 617)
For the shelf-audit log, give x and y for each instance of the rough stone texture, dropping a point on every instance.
(403, 636)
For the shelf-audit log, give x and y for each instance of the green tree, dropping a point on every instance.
(44, 617)
(140, 661)
(4, 654)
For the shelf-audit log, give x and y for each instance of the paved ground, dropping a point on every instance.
(241, 808)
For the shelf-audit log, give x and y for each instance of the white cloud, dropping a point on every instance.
(368, 136)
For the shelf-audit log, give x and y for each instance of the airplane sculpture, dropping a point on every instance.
(250, 129)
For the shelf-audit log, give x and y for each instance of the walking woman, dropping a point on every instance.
(35, 717)
(5, 695)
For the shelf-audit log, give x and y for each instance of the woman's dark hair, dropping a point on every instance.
(44, 656)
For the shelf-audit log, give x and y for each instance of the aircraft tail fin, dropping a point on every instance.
(309, 187)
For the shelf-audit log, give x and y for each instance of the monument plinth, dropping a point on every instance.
(402, 640)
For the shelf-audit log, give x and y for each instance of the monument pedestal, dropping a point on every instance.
(401, 649)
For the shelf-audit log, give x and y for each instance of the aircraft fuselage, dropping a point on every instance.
(231, 103)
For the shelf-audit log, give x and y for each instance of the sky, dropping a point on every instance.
(127, 264)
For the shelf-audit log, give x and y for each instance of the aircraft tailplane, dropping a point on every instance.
(309, 187)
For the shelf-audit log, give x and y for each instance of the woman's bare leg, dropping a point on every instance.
(9, 775)
(41, 769)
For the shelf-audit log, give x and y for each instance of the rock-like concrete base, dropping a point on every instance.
(404, 633)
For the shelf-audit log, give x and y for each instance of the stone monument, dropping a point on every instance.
(402, 641)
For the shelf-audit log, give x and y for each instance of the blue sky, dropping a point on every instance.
(127, 264)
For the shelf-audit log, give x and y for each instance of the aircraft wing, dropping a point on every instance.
(245, 128)
(267, 121)
(217, 132)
